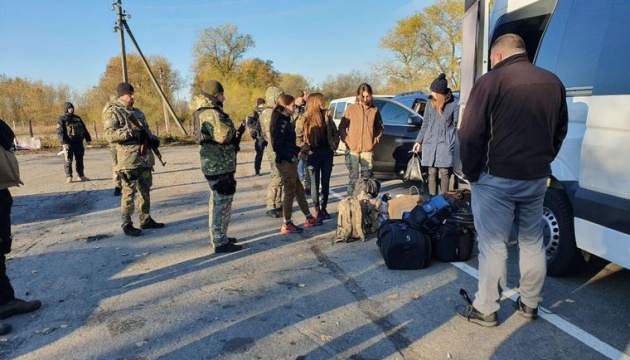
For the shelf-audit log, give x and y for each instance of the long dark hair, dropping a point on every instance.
(364, 87)
(283, 100)
(314, 122)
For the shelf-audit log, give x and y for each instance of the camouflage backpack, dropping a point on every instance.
(370, 211)
(349, 221)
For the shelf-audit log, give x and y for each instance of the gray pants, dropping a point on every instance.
(498, 204)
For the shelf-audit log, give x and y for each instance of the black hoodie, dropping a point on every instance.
(514, 122)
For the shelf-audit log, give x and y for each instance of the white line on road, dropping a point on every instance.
(572, 330)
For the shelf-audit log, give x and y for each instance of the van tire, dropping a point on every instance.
(563, 256)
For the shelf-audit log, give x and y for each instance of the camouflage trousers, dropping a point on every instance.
(274, 191)
(359, 163)
(219, 213)
(115, 178)
(140, 181)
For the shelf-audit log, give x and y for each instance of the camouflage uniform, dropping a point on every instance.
(274, 192)
(136, 167)
(115, 178)
(216, 134)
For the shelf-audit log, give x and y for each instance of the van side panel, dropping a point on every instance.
(603, 242)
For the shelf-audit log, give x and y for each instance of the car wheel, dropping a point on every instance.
(563, 256)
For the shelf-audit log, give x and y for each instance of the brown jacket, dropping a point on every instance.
(361, 127)
(332, 133)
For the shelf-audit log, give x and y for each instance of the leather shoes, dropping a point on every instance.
(151, 224)
(18, 306)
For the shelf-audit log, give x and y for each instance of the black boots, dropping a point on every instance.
(129, 230)
(151, 224)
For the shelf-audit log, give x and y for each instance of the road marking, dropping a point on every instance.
(579, 334)
(572, 330)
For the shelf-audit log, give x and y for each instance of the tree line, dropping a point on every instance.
(421, 46)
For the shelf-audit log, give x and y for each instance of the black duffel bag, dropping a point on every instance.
(452, 241)
(403, 247)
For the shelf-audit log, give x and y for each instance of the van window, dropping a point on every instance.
(341, 107)
(331, 108)
(572, 44)
(613, 76)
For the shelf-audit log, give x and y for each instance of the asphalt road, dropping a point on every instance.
(164, 295)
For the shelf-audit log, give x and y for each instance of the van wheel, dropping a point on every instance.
(563, 256)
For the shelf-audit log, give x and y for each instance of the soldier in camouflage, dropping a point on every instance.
(274, 192)
(134, 165)
(219, 143)
(71, 132)
(115, 177)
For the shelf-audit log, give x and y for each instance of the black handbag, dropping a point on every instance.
(414, 171)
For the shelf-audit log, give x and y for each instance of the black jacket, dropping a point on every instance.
(284, 139)
(71, 128)
(514, 122)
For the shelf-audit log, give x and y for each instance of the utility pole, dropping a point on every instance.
(122, 24)
(163, 103)
(119, 28)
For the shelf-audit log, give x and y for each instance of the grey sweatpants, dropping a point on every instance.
(498, 204)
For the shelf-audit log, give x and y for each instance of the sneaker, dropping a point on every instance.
(326, 215)
(228, 248)
(69, 179)
(117, 191)
(290, 228)
(83, 178)
(524, 310)
(18, 306)
(319, 215)
(5, 329)
(151, 224)
(272, 213)
(471, 314)
(129, 230)
(310, 222)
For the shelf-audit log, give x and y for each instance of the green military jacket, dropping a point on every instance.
(216, 151)
(120, 132)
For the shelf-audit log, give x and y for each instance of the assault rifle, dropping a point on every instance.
(147, 141)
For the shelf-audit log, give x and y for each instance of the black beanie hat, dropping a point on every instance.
(260, 101)
(212, 88)
(124, 88)
(67, 106)
(440, 85)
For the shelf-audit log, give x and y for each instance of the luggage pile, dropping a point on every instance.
(441, 227)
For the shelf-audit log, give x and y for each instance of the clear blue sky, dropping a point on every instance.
(71, 41)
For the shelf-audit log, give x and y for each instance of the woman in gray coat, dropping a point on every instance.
(436, 138)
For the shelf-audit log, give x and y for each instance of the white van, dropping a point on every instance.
(585, 43)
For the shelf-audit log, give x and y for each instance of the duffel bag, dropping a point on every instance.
(429, 215)
(452, 242)
(403, 247)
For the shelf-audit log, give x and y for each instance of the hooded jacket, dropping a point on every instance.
(515, 121)
(361, 127)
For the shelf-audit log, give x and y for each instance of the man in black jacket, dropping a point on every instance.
(9, 176)
(253, 124)
(513, 126)
(71, 132)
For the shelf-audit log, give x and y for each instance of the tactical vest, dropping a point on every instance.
(74, 127)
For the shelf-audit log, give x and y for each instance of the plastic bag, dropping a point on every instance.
(414, 171)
